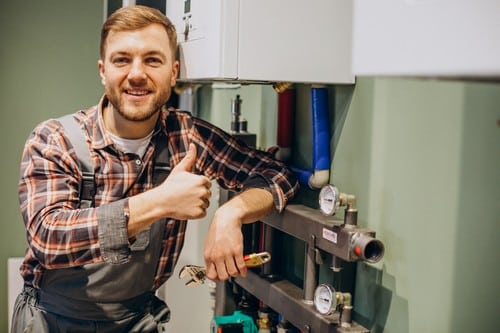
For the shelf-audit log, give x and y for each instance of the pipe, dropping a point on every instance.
(235, 114)
(319, 179)
(310, 270)
(286, 102)
(367, 248)
(267, 237)
(336, 264)
(345, 299)
(321, 137)
(320, 175)
(126, 3)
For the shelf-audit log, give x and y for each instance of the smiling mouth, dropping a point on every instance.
(137, 92)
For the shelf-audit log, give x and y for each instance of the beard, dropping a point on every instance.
(137, 112)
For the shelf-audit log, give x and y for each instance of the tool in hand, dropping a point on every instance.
(198, 273)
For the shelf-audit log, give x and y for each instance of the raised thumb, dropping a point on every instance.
(187, 163)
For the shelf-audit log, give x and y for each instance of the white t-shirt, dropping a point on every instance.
(135, 146)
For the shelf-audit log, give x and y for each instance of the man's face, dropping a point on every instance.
(138, 71)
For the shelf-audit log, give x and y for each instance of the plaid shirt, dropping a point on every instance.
(62, 235)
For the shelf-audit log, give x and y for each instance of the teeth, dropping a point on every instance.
(137, 92)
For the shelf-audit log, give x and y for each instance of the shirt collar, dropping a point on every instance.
(101, 137)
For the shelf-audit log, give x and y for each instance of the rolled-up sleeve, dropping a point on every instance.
(237, 166)
(113, 236)
(60, 234)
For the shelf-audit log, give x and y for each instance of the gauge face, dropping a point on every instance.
(325, 301)
(329, 199)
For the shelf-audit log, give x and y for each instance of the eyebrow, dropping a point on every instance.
(147, 54)
(156, 53)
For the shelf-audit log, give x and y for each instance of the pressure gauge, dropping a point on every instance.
(329, 199)
(325, 300)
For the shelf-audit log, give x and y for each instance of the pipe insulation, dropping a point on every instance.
(320, 174)
(321, 132)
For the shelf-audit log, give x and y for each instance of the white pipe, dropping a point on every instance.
(127, 3)
(319, 178)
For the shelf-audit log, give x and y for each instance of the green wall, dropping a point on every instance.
(48, 67)
(422, 158)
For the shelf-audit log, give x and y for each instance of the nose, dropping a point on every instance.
(137, 73)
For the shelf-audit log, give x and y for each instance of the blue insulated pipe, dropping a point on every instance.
(320, 174)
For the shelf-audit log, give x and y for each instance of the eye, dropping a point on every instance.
(154, 61)
(120, 61)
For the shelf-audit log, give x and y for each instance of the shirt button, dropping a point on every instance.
(138, 162)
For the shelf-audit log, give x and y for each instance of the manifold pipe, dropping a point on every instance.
(310, 270)
(367, 248)
(320, 174)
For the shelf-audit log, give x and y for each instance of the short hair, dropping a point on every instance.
(134, 18)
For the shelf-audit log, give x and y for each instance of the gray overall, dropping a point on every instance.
(100, 297)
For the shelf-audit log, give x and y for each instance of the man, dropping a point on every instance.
(96, 268)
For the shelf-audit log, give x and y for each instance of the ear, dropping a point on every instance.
(175, 72)
(100, 66)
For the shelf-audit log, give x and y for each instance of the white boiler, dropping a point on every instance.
(264, 40)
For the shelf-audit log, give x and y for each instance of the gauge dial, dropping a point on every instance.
(329, 199)
(325, 300)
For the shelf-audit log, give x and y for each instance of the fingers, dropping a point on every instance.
(242, 267)
(205, 195)
(223, 251)
(188, 162)
(188, 194)
(224, 269)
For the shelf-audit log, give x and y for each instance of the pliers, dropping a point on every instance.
(198, 273)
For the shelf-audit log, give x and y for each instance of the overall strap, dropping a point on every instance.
(77, 139)
(74, 131)
(162, 160)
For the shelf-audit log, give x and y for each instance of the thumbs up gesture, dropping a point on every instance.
(187, 195)
(188, 162)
